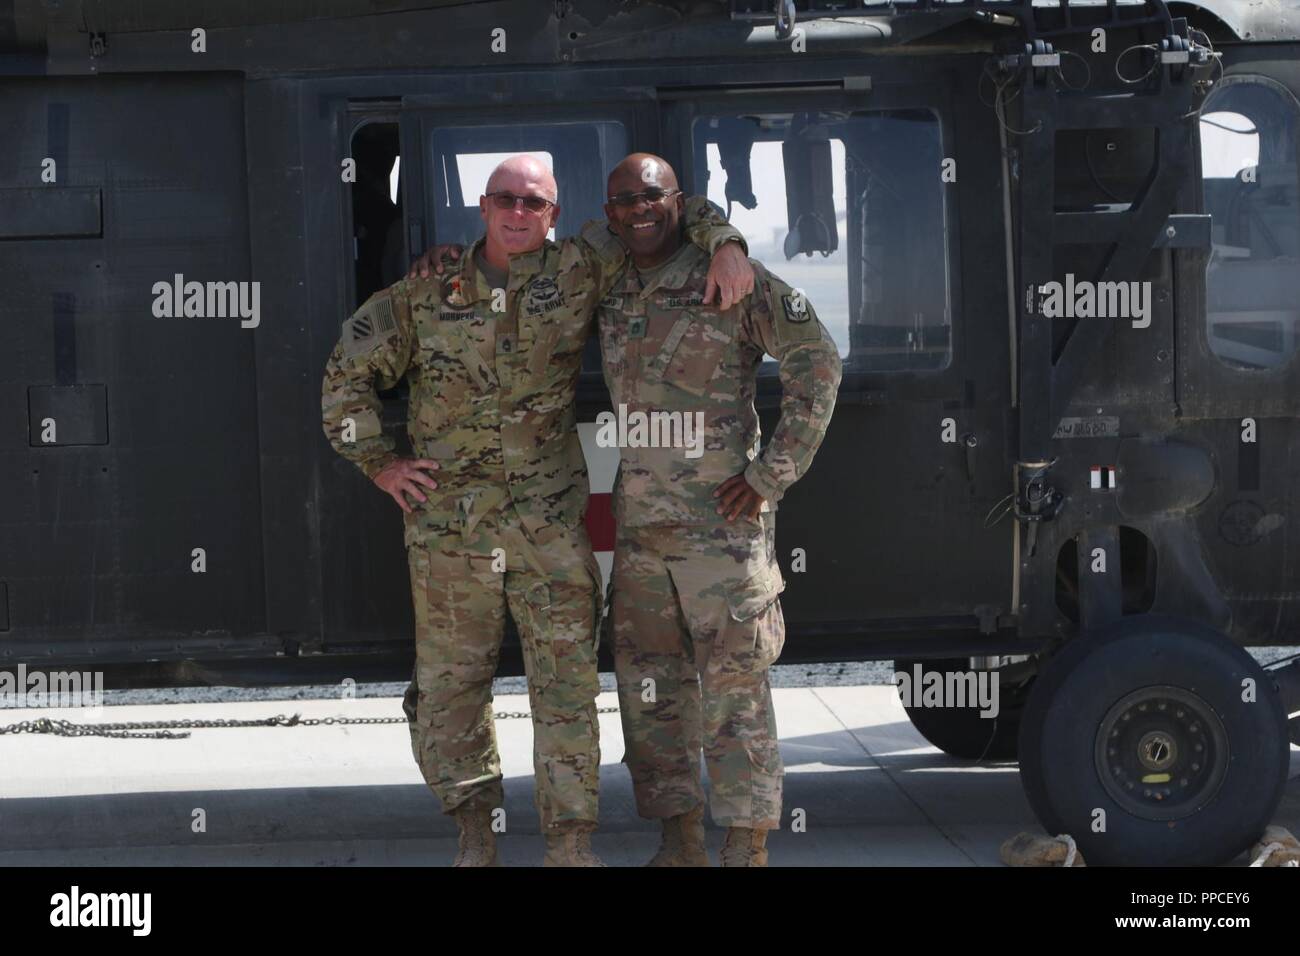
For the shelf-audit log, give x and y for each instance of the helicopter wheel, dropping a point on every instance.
(1154, 742)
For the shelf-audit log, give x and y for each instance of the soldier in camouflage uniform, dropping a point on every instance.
(492, 352)
(696, 615)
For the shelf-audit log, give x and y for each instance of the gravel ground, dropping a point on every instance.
(783, 675)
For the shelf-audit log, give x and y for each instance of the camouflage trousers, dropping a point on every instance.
(696, 624)
(552, 592)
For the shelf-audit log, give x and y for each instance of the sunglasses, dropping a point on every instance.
(651, 196)
(504, 200)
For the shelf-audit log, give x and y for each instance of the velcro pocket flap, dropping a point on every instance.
(755, 595)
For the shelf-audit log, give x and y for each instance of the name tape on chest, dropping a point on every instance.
(682, 301)
(449, 315)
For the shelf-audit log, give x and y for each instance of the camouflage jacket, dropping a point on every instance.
(492, 375)
(676, 362)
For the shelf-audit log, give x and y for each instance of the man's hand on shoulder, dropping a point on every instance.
(731, 277)
(435, 260)
(404, 476)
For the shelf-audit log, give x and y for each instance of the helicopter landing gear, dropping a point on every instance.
(962, 731)
(1154, 742)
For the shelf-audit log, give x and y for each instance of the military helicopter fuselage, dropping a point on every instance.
(1058, 246)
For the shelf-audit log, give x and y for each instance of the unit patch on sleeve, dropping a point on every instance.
(796, 307)
(370, 322)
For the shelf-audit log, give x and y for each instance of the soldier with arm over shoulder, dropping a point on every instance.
(696, 610)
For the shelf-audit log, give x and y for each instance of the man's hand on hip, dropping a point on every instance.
(738, 498)
(404, 476)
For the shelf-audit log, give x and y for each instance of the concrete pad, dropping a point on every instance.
(867, 786)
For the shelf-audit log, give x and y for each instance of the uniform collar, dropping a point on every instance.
(529, 264)
(676, 271)
(467, 285)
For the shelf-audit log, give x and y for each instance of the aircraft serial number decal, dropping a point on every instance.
(1103, 427)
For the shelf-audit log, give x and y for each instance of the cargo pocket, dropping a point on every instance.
(536, 632)
(754, 595)
(755, 601)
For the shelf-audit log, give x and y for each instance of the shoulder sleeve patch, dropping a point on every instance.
(795, 306)
(792, 315)
(370, 323)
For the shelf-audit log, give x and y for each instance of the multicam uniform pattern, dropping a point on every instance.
(493, 376)
(696, 614)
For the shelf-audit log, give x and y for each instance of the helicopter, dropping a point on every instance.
(1057, 244)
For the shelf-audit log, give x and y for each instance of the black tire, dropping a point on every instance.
(1145, 721)
(961, 731)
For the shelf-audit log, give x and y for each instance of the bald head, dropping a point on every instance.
(641, 171)
(645, 208)
(518, 173)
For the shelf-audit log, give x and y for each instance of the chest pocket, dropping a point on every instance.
(554, 319)
(690, 355)
(451, 366)
(547, 345)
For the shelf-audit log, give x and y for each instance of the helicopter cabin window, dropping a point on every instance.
(849, 208)
(580, 154)
(1248, 128)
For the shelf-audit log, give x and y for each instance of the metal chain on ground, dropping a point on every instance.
(163, 729)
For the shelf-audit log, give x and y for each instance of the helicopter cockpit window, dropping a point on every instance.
(1248, 131)
(849, 208)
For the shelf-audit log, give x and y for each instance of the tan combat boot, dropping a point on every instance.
(744, 847)
(478, 844)
(683, 841)
(569, 844)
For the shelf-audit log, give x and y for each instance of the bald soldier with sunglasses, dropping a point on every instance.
(494, 499)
